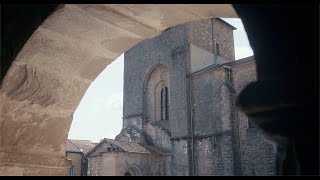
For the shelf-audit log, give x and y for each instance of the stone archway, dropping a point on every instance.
(133, 170)
(51, 73)
(35, 115)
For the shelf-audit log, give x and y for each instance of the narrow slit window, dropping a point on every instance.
(166, 104)
(162, 103)
(218, 49)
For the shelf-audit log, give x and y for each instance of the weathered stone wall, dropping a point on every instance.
(94, 166)
(149, 164)
(200, 34)
(69, 50)
(258, 155)
(76, 162)
(200, 58)
(156, 127)
(223, 34)
(117, 163)
(170, 50)
(108, 165)
(140, 59)
(207, 33)
(212, 124)
(213, 156)
(180, 162)
(205, 97)
(224, 144)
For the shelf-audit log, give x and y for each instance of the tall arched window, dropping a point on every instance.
(164, 103)
(156, 106)
(157, 88)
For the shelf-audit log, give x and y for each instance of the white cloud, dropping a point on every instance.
(236, 22)
(115, 101)
(99, 100)
(241, 42)
(242, 52)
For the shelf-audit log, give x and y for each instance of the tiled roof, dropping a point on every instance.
(231, 64)
(70, 147)
(124, 147)
(242, 61)
(79, 145)
(154, 150)
(128, 147)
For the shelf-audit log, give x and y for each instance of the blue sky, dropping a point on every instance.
(99, 114)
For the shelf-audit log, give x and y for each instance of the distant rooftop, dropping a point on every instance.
(238, 62)
(83, 146)
(125, 147)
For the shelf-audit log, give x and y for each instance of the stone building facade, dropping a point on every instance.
(119, 158)
(76, 151)
(179, 97)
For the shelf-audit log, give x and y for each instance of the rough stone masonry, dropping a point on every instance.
(180, 90)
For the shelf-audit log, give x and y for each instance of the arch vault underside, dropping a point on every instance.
(51, 73)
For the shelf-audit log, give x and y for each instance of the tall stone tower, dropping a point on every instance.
(215, 36)
(157, 71)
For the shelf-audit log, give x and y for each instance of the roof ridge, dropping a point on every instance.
(124, 141)
(116, 144)
(129, 143)
(79, 149)
(76, 146)
(96, 145)
(79, 140)
(83, 146)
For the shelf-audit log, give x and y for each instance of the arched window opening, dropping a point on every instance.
(164, 103)
(156, 93)
(133, 170)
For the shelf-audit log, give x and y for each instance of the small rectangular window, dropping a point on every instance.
(218, 48)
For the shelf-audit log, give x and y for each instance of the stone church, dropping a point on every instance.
(179, 108)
